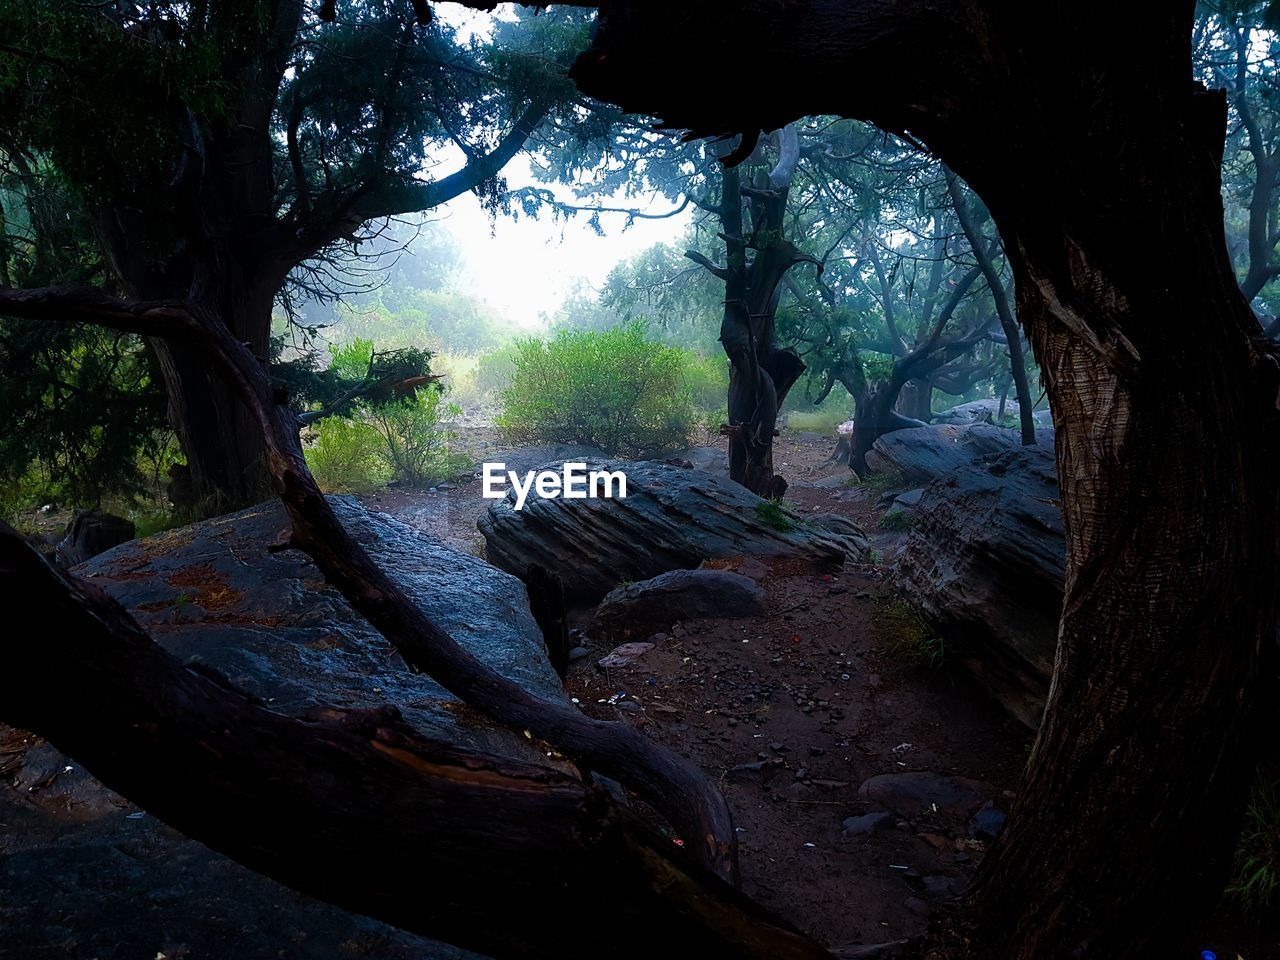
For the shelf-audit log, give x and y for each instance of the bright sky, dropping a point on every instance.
(525, 268)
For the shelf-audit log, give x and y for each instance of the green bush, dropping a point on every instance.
(707, 382)
(414, 448)
(346, 456)
(399, 439)
(1255, 886)
(493, 371)
(614, 389)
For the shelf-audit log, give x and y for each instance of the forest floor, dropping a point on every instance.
(793, 711)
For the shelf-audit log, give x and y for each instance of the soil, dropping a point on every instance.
(790, 712)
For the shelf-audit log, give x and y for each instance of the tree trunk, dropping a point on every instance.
(1076, 135)
(1123, 830)
(356, 808)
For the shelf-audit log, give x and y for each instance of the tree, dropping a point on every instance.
(1164, 396)
(224, 151)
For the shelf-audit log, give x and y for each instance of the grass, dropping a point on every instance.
(771, 513)
(1255, 885)
(879, 482)
(910, 639)
(897, 520)
(815, 421)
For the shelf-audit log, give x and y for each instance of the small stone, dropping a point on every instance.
(866, 824)
(577, 653)
(629, 706)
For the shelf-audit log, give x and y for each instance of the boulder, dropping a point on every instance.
(922, 454)
(92, 532)
(985, 563)
(655, 605)
(81, 861)
(915, 794)
(672, 518)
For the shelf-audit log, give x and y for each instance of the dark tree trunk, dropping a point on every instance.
(760, 374)
(916, 400)
(1167, 431)
(1167, 453)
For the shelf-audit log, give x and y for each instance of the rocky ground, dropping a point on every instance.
(866, 778)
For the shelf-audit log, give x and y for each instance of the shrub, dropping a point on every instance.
(346, 456)
(493, 371)
(414, 448)
(613, 389)
(398, 439)
(1255, 885)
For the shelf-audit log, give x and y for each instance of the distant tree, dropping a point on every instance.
(231, 152)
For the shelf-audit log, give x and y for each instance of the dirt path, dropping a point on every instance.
(792, 712)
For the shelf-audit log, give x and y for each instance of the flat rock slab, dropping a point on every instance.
(914, 794)
(213, 594)
(985, 563)
(85, 873)
(655, 605)
(672, 518)
(922, 454)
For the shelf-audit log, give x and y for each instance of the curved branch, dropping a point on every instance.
(671, 783)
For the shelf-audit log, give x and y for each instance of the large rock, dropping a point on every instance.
(672, 518)
(92, 532)
(654, 606)
(985, 563)
(81, 864)
(922, 454)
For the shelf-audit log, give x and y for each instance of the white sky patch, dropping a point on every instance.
(525, 268)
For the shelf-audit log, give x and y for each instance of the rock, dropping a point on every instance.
(82, 859)
(212, 594)
(895, 948)
(708, 459)
(837, 481)
(552, 456)
(914, 794)
(624, 655)
(907, 502)
(976, 411)
(672, 518)
(985, 564)
(92, 532)
(923, 454)
(942, 887)
(987, 822)
(867, 824)
(577, 653)
(639, 609)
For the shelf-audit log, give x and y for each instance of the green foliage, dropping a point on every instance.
(772, 513)
(494, 371)
(347, 456)
(415, 447)
(1255, 885)
(909, 638)
(897, 520)
(615, 389)
(85, 414)
(385, 437)
(707, 382)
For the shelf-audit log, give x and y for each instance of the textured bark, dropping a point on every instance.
(1165, 408)
(354, 807)
(760, 374)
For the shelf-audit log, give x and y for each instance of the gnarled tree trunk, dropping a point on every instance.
(1164, 399)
